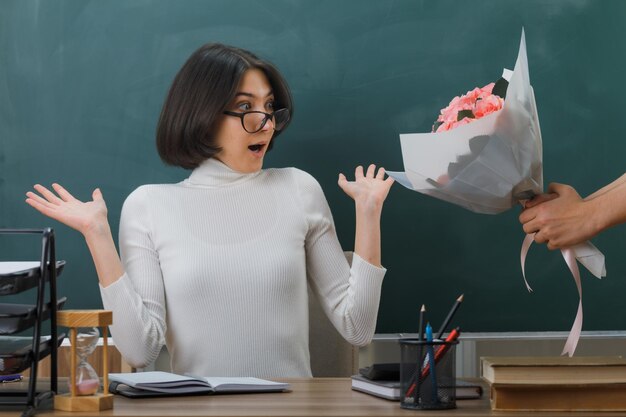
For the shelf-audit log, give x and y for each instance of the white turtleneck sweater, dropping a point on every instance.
(217, 266)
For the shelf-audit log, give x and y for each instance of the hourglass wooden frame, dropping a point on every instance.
(98, 401)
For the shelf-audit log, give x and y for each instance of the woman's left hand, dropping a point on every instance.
(368, 190)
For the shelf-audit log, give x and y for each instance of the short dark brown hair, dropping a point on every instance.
(199, 94)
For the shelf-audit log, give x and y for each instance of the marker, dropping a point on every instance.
(455, 307)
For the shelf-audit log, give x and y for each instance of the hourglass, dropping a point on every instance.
(84, 381)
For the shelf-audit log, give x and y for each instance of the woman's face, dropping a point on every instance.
(243, 151)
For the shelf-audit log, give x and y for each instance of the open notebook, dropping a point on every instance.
(157, 383)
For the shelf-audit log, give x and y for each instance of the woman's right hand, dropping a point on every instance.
(86, 217)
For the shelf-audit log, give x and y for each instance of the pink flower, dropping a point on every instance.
(475, 104)
(487, 105)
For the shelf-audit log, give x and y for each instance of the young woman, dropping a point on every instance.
(217, 266)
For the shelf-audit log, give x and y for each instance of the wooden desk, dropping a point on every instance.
(322, 397)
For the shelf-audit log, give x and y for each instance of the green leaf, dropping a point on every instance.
(462, 114)
(436, 126)
(499, 89)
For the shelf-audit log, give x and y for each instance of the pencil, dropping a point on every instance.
(421, 326)
(453, 310)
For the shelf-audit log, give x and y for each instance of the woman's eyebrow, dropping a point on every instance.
(243, 93)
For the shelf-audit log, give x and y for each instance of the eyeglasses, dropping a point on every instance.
(253, 121)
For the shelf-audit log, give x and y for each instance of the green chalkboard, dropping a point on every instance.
(82, 83)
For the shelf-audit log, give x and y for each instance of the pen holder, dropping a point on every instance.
(420, 387)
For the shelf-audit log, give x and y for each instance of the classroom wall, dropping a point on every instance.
(82, 83)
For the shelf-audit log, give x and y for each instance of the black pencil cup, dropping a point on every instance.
(420, 387)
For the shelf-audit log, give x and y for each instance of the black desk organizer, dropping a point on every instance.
(20, 353)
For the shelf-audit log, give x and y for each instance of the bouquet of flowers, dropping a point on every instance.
(485, 154)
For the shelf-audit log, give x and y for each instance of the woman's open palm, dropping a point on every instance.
(63, 207)
(368, 188)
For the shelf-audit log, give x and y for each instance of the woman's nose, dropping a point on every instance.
(267, 125)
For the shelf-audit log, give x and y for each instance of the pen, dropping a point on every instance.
(431, 359)
(441, 350)
(10, 378)
(455, 307)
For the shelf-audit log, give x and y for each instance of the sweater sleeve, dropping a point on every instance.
(137, 299)
(349, 293)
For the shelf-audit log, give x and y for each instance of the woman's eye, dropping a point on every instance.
(270, 105)
(244, 106)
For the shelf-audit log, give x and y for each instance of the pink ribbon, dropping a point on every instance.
(570, 260)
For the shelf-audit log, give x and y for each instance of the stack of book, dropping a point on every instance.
(591, 383)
